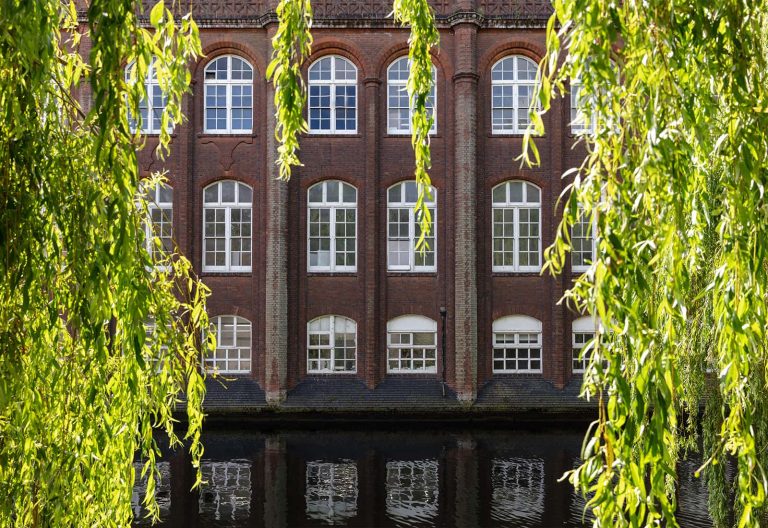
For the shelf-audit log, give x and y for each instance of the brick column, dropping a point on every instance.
(276, 307)
(465, 210)
(369, 256)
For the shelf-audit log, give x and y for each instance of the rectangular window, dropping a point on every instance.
(580, 340)
(583, 243)
(403, 234)
(516, 352)
(412, 352)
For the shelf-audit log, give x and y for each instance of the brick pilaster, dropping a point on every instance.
(369, 221)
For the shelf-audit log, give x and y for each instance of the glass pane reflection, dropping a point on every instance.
(518, 489)
(331, 491)
(162, 493)
(226, 492)
(412, 490)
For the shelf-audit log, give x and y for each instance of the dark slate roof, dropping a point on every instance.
(233, 394)
(528, 393)
(334, 393)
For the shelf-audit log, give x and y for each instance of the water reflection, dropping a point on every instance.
(162, 493)
(412, 491)
(384, 478)
(331, 491)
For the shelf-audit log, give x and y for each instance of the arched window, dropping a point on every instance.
(512, 81)
(583, 242)
(412, 345)
(158, 231)
(332, 226)
(516, 344)
(403, 229)
(516, 227)
(583, 333)
(233, 345)
(399, 107)
(228, 96)
(331, 345)
(151, 107)
(227, 226)
(333, 96)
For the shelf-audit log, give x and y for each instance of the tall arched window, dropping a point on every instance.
(399, 106)
(584, 329)
(227, 226)
(331, 345)
(332, 226)
(233, 345)
(160, 225)
(516, 227)
(403, 229)
(412, 345)
(516, 344)
(151, 107)
(512, 81)
(228, 96)
(333, 96)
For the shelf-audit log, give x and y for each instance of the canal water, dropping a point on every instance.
(497, 477)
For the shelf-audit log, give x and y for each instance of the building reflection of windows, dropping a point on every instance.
(162, 493)
(412, 491)
(331, 491)
(226, 492)
(518, 489)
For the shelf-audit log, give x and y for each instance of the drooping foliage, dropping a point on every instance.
(292, 45)
(98, 336)
(674, 184)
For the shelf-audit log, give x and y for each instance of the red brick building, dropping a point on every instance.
(331, 306)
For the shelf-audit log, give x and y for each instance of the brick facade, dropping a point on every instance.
(280, 296)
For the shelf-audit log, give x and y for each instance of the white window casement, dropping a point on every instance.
(332, 227)
(583, 242)
(412, 345)
(228, 95)
(403, 229)
(580, 124)
(331, 345)
(158, 232)
(399, 106)
(227, 211)
(151, 107)
(516, 227)
(332, 96)
(233, 345)
(517, 345)
(513, 80)
(583, 333)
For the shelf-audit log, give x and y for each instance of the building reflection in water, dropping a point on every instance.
(162, 493)
(412, 490)
(331, 491)
(226, 492)
(518, 489)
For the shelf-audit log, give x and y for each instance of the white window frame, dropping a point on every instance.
(582, 326)
(579, 125)
(333, 83)
(516, 83)
(228, 83)
(400, 85)
(517, 325)
(210, 362)
(333, 207)
(228, 208)
(404, 203)
(411, 324)
(593, 245)
(515, 206)
(150, 83)
(331, 333)
(155, 203)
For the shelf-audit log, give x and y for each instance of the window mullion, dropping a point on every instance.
(412, 238)
(332, 242)
(227, 237)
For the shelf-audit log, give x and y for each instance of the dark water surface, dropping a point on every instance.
(379, 478)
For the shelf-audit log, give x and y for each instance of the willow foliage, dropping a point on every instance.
(82, 385)
(292, 45)
(674, 182)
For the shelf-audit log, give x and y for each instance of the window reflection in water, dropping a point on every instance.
(331, 491)
(518, 489)
(412, 490)
(162, 493)
(226, 493)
